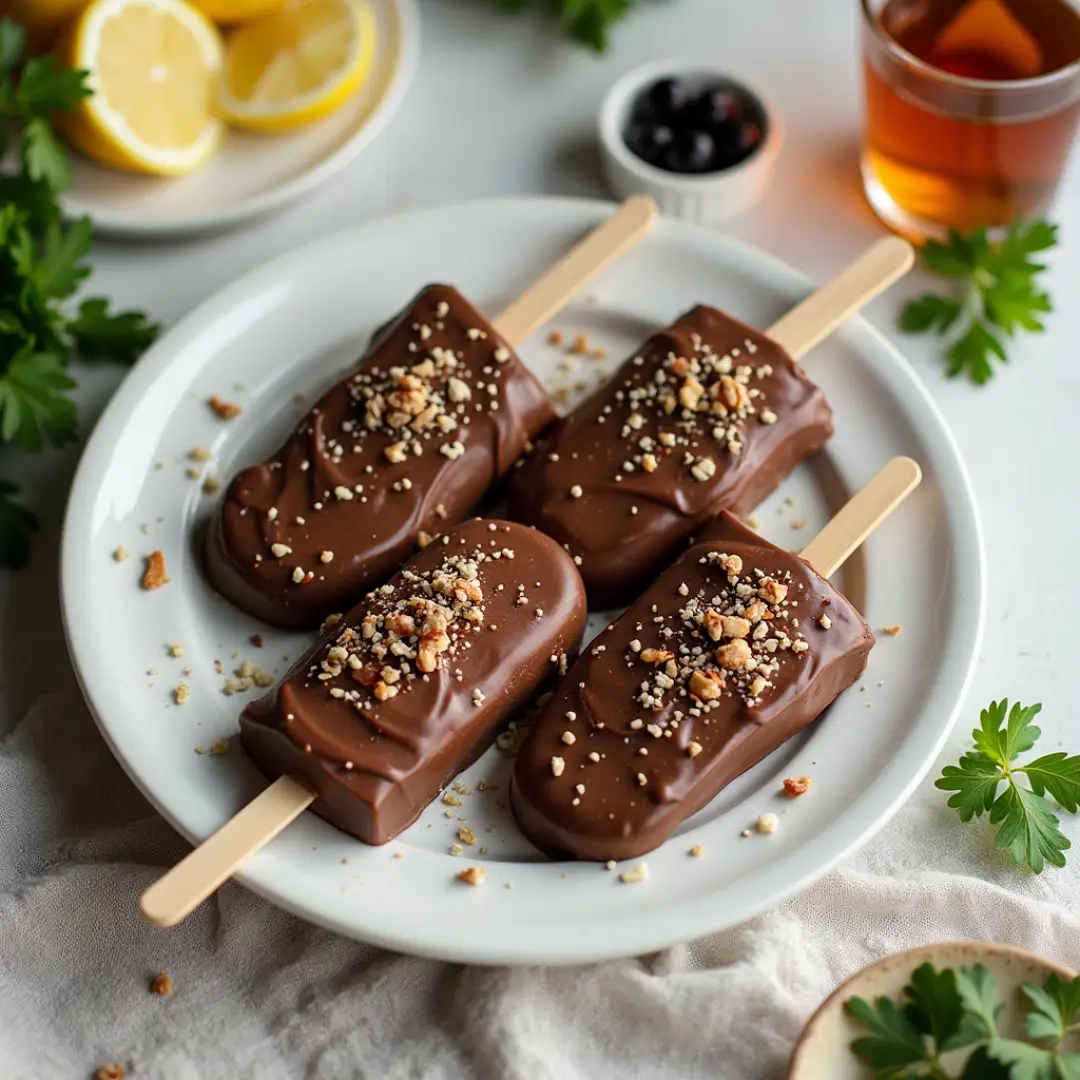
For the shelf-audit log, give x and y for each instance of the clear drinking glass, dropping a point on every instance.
(971, 109)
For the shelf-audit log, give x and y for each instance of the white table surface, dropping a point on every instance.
(503, 106)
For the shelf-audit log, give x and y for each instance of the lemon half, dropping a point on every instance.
(154, 67)
(298, 64)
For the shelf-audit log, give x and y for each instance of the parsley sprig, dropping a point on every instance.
(1026, 825)
(946, 1011)
(587, 21)
(998, 295)
(42, 265)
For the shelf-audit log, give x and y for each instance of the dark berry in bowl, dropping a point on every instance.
(718, 107)
(663, 100)
(695, 129)
(691, 152)
(649, 140)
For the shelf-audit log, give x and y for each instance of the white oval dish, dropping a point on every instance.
(824, 1048)
(717, 198)
(254, 174)
(293, 324)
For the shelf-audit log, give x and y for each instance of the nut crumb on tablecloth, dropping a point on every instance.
(634, 874)
(121, 553)
(467, 836)
(696, 850)
(892, 631)
(161, 985)
(473, 875)
(182, 693)
(767, 823)
(110, 1072)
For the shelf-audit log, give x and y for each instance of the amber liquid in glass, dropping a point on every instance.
(968, 157)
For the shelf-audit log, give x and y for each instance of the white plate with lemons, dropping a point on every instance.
(209, 112)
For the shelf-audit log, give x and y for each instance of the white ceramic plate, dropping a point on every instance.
(295, 323)
(253, 174)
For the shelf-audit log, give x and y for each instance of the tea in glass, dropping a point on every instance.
(971, 109)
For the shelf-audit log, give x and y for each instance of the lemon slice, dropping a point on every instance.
(154, 68)
(234, 11)
(297, 64)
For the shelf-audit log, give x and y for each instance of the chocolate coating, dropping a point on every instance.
(435, 414)
(717, 411)
(695, 744)
(378, 746)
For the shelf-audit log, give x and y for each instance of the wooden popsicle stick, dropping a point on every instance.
(194, 878)
(861, 515)
(824, 310)
(572, 272)
(174, 895)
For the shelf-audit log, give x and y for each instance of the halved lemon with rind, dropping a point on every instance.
(154, 67)
(235, 11)
(298, 64)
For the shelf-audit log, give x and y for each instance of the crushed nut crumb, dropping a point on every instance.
(161, 985)
(473, 875)
(636, 873)
(225, 410)
(155, 575)
(121, 553)
(793, 788)
(767, 823)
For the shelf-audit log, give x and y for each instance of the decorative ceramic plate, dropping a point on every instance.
(253, 174)
(274, 339)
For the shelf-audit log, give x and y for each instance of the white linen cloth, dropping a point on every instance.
(260, 994)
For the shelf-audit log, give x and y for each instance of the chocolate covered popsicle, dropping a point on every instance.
(733, 649)
(411, 686)
(405, 445)
(709, 414)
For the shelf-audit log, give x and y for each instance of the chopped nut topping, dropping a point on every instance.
(279, 551)
(155, 576)
(794, 788)
(557, 766)
(226, 410)
(693, 749)
(825, 622)
(396, 453)
(706, 685)
(733, 655)
(473, 875)
(467, 836)
(326, 557)
(656, 656)
(569, 738)
(576, 492)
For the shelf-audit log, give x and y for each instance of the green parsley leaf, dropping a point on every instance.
(1026, 825)
(1028, 828)
(1056, 1002)
(44, 86)
(981, 1066)
(16, 523)
(58, 273)
(930, 312)
(934, 1005)
(978, 996)
(1025, 1062)
(44, 159)
(588, 21)
(12, 44)
(893, 1040)
(34, 407)
(997, 295)
(121, 336)
(1019, 734)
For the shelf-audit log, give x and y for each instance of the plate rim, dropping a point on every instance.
(970, 578)
(116, 226)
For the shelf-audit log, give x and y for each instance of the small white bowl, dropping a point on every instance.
(715, 198)
(824, 1048)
